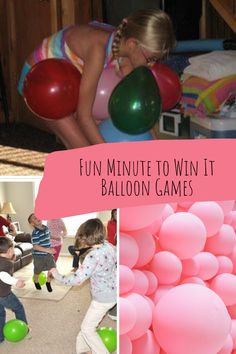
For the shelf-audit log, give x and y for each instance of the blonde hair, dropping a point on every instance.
(152, 28)
(91, 232)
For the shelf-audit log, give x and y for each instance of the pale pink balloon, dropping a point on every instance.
(225, 265)
(223, 242)
(152, 282)
(141, 282)
(173, 205)
(125, 345)
(189, 267)
(211, 215)
(232, 256)
(107, 82)
(139, 217)
(151, 303)
(228, 219)
(184, 234)
(233, 222)
(224, 285)
(146, 245)
(233, 333)
(167, 267)
(161, 291)
(154, 227)
(227, 347)
(127, 315)
(126, 279)
(146, 344)
(191, 318)
(208, 265)
(144, 315)
(193, 280)
(226, 205)
(129, 251)
(168, 210)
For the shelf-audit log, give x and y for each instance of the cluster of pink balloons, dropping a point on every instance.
(178, 278)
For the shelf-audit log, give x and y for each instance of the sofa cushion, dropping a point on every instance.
(18, 253)
(24, 247)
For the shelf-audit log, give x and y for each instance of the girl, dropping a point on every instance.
(99, 265)
(58, 231)
(141, 39)
(112, 227)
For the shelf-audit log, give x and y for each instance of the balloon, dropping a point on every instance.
(15, 330)
(144, 315)
(225, 265)
(128, 250)
(191, 318)
(108, 336)
(113, 135)
(107, 82)
(225, 286)
(139, 217)
(223, 242)
(126, 279)
(193, 280)
(211, 215)
(161, 291)
(41, 279)
(189, 267)
(169, 84)
(226, 205)
(167, 267)
(125, 345)
(127, 315)
(152, 282)
(146, 344)
(147, 247)
(51, 88)
(227, 347)
(207, 264)
(183, 234)
(233, 334)
(135, 103)
(141, 282)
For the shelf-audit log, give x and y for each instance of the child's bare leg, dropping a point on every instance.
(68, 131)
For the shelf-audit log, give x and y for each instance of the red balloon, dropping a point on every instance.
(51, 88)
(169, 85)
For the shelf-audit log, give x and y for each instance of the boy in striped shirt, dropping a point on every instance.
(42, 251)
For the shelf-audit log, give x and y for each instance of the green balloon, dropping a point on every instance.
(108, 336)
(135, 103)
(42, 278)
(15, 330)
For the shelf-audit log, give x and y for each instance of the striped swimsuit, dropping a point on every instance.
(55, 46)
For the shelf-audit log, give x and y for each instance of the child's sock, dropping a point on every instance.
(48, 285)
(37, 285)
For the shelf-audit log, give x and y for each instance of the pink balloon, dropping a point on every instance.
(107, 82)
(128, 250)
(193, 280)
(146, 245)
(227, 347)
(141, 282)
(146, 344)
(208, 265)
(161, 291)
(144, 315)
(168, 210)
(225, 265)
(223, 242)
(232, 312)
(190, 267)
(228, 219)
(232, 256)
(225, 286)
(127, 315)
(185, 205)
(233, 216)
(154, 227)
(139, 217)
(152, 282)
(233, 333)
(126, 279)
(191, 318)
(167, 267)
(211, 215)
(226, 205)
(184, 234)
(125, 345)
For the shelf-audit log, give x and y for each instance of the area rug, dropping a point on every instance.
(29, 291)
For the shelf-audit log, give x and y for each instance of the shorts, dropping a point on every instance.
(44, 262)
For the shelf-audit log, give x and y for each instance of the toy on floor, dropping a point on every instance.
(109, 338)
(41, 279)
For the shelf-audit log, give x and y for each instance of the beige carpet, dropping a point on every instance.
(29, 291)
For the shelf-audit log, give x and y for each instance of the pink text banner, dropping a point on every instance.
(108, 176)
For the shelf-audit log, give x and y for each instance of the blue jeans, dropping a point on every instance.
(13, 303)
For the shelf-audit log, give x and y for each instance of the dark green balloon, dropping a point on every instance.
(135, 103)
(109, 338)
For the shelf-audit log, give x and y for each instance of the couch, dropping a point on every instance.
(23, 250)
